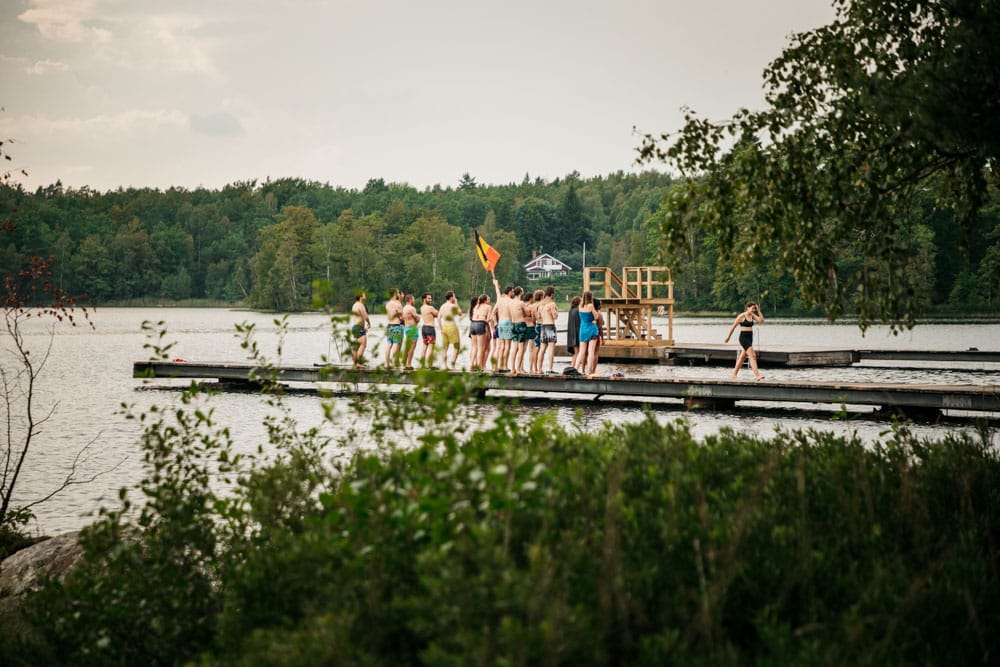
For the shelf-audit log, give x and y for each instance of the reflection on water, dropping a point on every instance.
(88, 377)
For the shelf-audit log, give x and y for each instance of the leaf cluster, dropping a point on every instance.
(862, 116)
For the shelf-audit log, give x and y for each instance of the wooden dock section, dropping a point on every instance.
(940, 356)
(695, 393)
(709, 354)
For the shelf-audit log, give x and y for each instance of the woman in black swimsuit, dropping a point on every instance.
(745, 322)
(479, 334)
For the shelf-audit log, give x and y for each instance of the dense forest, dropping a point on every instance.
(265, 244)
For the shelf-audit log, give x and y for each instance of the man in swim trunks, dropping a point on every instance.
(448, 317)
(535, 348)
(411, 330)
(548, 313)
(505, 327)
(359, 329)
(519, 330)
(394, 328)
(428, 315)
(529, 323)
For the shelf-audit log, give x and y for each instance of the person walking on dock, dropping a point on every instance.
(745, 321)
(359, 329)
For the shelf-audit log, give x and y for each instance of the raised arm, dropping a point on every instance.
(733, 328)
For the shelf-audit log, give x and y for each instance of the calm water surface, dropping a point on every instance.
(88, 377)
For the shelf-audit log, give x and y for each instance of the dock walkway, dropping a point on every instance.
(695, 354)
(711, 393)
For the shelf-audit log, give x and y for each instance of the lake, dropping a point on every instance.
(88, 378)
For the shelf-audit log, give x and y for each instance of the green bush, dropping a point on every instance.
(513, 540)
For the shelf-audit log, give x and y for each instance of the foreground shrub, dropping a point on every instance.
(635, 545)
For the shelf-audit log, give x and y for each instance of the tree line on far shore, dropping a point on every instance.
(265, 244)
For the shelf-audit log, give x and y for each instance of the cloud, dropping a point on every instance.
(65, 21)
(100, 125)
(180, 46)
(34, 67)
(217, 124)
(162, 39)
(39, 67)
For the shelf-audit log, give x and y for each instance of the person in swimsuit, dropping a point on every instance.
(535, 344)
(588, 334)
(411, 330)
(519, 330)
(478, 333)
(548, 313)
(599, 323)
(394, 328)
(573, 331)
(505, 326)
(450, 337)
(529, 323)
(359, 329)
(428, 333)
(745, 322)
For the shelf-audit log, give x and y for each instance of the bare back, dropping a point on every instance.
(549, 311)
(394, 311)
(410, 316)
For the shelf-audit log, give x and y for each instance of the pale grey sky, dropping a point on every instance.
(109, 93)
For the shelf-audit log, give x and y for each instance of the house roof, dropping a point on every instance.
(546, 259)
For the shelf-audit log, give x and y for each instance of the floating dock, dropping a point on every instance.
(708, 354)
(695, 393)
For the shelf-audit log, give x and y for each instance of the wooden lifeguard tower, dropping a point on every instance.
(628, 301)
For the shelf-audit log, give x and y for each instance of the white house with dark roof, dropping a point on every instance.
(545, 266)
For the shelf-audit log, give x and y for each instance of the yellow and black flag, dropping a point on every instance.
(487, 255)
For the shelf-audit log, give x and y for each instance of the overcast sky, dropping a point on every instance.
(161, 93)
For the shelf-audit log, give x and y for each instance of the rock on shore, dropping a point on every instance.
(22, 572)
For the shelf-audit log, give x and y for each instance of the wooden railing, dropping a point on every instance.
(644, 281)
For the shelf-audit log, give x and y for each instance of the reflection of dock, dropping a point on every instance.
(709, 354)
(694, 392)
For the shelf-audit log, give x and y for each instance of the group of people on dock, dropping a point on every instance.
(517, 334)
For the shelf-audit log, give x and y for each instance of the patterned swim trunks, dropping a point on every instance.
(429, 334)
(505, 330)
(394, 334)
